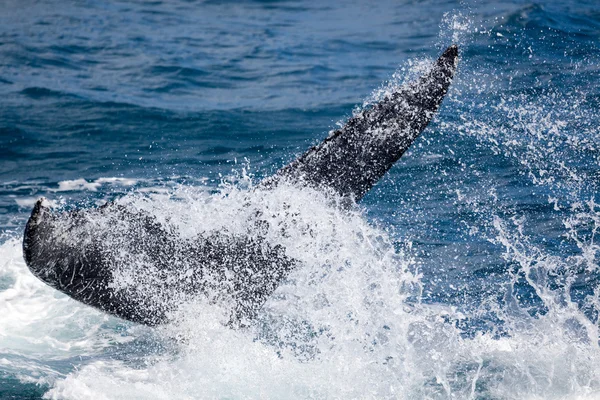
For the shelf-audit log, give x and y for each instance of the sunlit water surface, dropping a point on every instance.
(469, 272)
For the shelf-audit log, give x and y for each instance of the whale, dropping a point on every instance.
(142, 270)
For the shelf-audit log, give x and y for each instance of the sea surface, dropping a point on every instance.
(471, 271)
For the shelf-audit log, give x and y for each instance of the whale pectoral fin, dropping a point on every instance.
(355, 157)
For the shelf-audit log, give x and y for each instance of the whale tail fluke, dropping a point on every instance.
(126, 262)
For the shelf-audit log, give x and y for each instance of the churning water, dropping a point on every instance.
(469, 272)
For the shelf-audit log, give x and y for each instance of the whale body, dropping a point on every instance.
(141, 270)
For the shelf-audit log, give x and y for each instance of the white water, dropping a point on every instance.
(339, 328)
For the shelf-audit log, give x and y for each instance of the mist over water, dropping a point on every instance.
(470, 271)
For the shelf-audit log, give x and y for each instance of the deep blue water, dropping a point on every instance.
(494, 206)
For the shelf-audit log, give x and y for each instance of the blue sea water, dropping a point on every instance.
(469, 272)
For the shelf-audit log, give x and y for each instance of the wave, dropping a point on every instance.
(479, 280)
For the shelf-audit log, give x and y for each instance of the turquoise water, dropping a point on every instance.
(469, 271)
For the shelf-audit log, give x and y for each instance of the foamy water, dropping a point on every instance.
(340, 327)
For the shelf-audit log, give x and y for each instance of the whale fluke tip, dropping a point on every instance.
(38, 209)
(451, 54)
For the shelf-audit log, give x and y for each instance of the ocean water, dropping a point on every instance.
(471, 271)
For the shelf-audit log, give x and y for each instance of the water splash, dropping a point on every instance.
(355, 320)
